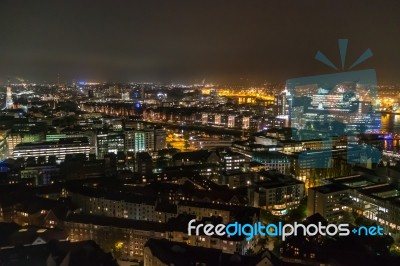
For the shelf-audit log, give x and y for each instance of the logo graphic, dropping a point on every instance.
(284, 231)
(333, 107)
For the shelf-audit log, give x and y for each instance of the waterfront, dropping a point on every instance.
(391, 124)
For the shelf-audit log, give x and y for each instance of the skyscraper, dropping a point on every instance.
(9, 100)
(281, 103)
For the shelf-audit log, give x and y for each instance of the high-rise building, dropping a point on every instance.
(3, 146)
(111, 142)
(281, 104)
(9, 100)
(125, 96)
(139, 140)
(24, 133)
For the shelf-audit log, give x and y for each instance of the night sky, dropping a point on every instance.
(187, 40)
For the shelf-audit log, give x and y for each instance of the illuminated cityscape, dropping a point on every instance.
(199, 133)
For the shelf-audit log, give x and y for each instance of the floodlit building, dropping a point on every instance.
(57, 148)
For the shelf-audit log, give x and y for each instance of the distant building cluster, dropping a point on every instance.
(118, 171)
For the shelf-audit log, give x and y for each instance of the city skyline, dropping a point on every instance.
(214, 133)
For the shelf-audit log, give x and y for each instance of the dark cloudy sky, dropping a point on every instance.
(183, 40)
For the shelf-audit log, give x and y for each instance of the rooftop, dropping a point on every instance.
(330, 188)
(179, 254)
(116, 222)
(66, 141)
(57, 253)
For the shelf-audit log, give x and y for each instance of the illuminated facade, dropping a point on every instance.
(379, 203)
(9, 100)
(130, 236)
(334, 104)
(25, 133)
(376, 202)
(327, 201)
(313, 166)
(232, 161)
(3, 148)
(109, 143)
(59, 149)
(279, 195)
(140, 140)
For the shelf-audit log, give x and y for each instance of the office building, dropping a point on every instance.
(231, 161)
(140, 140)
(109, 142)
(328, 201)
(59, 149)
(9, 100)
(25, 133)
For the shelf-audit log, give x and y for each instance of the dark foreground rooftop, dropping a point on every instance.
(56, 253)
(179, 254)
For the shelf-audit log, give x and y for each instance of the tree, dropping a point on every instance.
(118, 249)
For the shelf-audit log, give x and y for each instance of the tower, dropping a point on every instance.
(9, 100)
